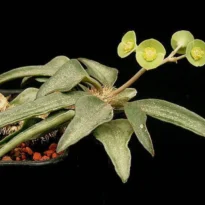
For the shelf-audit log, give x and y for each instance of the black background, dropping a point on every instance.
(177, 171)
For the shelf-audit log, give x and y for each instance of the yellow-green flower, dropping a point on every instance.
(195, 52)
(182, 38)
(127, 44)
(150, 54)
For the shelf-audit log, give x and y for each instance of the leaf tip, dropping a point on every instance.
(124, 180)
(59, 148)
(153, 153)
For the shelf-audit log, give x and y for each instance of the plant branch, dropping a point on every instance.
(172, 54)
(130, 81)
(175, 59)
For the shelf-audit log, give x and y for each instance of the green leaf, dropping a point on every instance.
(104, 74)
(27, 80)
(90, 113)
(26, 124)
(42, 127)
(115, 136)
(174, 114)
(47, 70)
(182, 38)
(67, 77)
(137, 119)
(27, 95)
(41, 79)
(49, 103)
(84, 88)
(123, 97)
(8, 92)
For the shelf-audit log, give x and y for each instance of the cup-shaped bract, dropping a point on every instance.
(181, 38)
(127, 44)
(150, 54)
(195, 52)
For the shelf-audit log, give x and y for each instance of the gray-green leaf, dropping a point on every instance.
(124, 97)
(27, 95)
(41, 79)
(27, 80)
(67, 77)
(90, 113)
(84, 88)
(115, 136)
(104, 74)
(49, 103)
(42, 127)
(175, 114)
(47, 70)
(137, 119)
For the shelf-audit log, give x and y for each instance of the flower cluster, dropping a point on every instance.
(151, 53)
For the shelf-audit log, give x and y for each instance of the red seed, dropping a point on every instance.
(29, 150)
(53, 146)
(54, 155)
(49, 152)
(44, 158)
(36, 156)
(6, 158)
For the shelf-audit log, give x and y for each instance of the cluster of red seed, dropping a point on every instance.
(23, 153)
